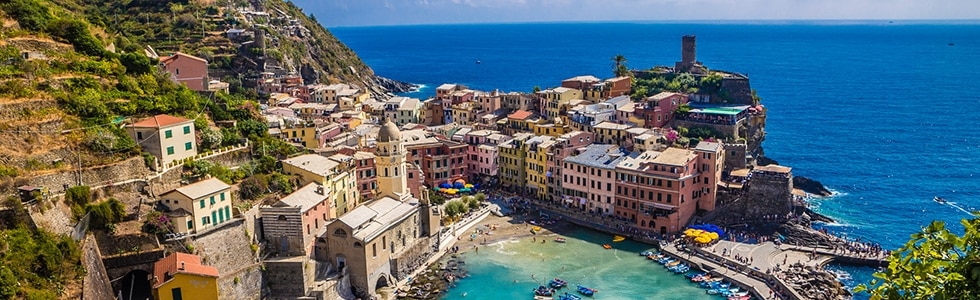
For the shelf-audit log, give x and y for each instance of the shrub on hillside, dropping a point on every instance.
(76, 32)
(30, 14)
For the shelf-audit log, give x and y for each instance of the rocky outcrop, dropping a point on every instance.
(393, 86)
(765, 161)
(814, 283)
(800, 233)
(811, 186)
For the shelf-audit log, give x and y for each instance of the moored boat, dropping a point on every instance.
(557, 283)
(567, 296)
(938, 199)
(618, 238)
(673, 263)
(647, 253)
(607, 246)
(586, 290)
(559, 240)
(544, 291)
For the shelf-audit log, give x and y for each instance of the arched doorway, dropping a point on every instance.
(382, 281)
(136, 285)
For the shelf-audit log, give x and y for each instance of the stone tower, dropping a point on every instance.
(689, 59)
(390, 163)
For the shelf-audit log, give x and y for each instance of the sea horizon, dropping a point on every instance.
(826, 22)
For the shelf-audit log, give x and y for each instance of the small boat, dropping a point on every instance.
(544, 291)
(536, 228)
(646, 253)
(557, 283)
(585, 290)
(938, 199)
(543, 298)
(607, 246)
(478, 61)
(673, 263)
(694, 275)
(744, 297)
(567, 296)
(618, 238)
(559, 240)
(951, 44)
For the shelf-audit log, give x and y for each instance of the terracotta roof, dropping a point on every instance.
(166, 60)
(160, 121)
(519, 115)
(180, 263)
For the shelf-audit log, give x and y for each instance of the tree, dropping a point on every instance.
(711, 84)
(481, 197)
(619, 66)
(933, 264)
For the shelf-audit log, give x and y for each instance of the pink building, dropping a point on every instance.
(662, 191)
(659, 109)
(563, 147)
(489, 101)
(481, 155)
(293, 222)
(367, 179)
(588, 178)
(187, 69)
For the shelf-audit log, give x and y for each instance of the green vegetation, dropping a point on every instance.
(668, 82)
(934, 264)
(105, 215)
(619, 66)
(35, 264)
(436, 198)
(455, 208)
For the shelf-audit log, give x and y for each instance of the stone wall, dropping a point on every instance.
(95, 284)
(729, 131)
(738, 90)
(132, 168)
(735, 156)
(287, 278)
(244, 284)
(413, 258)
(291, 228)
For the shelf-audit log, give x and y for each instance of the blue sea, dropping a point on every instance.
(883, 113)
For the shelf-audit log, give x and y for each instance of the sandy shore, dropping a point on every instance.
(509, 228)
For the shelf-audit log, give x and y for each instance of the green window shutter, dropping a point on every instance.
(190, 224)
(170, 150)
(212, 200)
(222, 196)
(188, 146)
(228, 212)
(168, 134)
(214, 216)
(187, 129)
(202, 203)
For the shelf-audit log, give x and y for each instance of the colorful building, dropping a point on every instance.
(199, 206)
(166, 137)
(588, 178)
(182, 276)
(337, 178)
(482, 155)
(293, 222)
(513, 172)
(662, 191)
(536, 163)
(187, 69)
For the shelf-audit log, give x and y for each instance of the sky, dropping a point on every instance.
(334, 13)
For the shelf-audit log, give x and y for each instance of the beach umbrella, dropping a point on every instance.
(469, 186)
(458, 185)
(436, 189)
(461, 181)
(702, 240)
(445, 185)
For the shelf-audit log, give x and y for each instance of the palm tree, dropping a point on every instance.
(620, 68)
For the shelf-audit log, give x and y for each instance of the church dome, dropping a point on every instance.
(389, 133)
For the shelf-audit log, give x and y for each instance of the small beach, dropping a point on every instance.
(513, 260)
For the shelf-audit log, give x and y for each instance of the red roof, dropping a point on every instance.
(519, 115)
(180, 263)
(167, 59)
(159, 121)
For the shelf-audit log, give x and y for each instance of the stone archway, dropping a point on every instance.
(136, 285)
(382, 282)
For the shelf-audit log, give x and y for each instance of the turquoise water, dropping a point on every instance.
(503, 270)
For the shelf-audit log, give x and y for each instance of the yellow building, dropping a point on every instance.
(304, 134)
(556, 129)
(511, 157)
(536, 164)
(611, 133)
(198, 206)
(556, 101)
(336, 177)
(182, 276)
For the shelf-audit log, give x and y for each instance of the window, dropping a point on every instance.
(202, 203)
(175, 293)
(170, 150)
(212, 200)
(187, 129)
(168, 134)
(374, 250)
(222, 196)
(139, 136)
(190, 224)
(188, 146)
